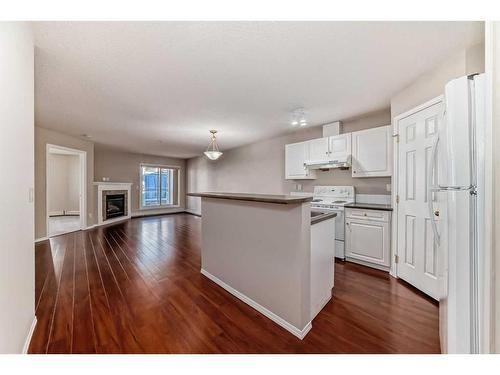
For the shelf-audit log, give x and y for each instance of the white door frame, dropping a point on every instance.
(395, 177)
(491, 325)
(83, 184)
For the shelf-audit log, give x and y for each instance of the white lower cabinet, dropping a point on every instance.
(367, 237)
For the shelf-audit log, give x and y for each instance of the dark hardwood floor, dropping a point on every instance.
(136, 287)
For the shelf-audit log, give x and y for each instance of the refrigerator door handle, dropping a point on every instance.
(452, 188)
(430, 189)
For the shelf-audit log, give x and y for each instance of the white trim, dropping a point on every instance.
(300, 333)
(26, 345)
(83, 184)
(395, 177)
(75, 213)
(41, 239)
(489, 343)
(158, 211)
(193, 212)
(105, 186)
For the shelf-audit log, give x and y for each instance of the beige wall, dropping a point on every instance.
(260, 167)
(64, 183)
(494, 71)
(17, 260)
(432, 83)
(42, 138)
(122, 166)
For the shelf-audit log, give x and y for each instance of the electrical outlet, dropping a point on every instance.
(298, 187)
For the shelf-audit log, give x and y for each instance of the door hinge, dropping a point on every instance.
(396, 136)
(396, 258)
(397, 199)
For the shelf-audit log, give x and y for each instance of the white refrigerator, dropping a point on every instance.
(456, 180)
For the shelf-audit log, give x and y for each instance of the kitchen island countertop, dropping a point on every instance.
(266, 198)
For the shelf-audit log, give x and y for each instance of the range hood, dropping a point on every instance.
(343, 162)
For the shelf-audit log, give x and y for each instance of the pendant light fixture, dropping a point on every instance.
(213, 152)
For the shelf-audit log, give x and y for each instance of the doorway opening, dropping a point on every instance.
(66, 190)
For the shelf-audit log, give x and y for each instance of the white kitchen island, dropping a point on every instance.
(261, 249)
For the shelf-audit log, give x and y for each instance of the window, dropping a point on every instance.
(157, 186)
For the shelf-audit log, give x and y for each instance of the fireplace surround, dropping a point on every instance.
(113, 201)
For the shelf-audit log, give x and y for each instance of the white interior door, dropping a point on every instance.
(416, 248)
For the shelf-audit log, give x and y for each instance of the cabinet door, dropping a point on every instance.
(368, 241)
(372, 152)
(295, 156)
(340, 145)
(319, 150)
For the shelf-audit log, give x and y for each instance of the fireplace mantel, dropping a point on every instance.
(105, 187)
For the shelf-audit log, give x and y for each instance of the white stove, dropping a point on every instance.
(333, 198)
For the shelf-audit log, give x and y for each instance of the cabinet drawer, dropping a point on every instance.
(374, 215)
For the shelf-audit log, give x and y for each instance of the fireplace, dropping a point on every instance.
(114, 204)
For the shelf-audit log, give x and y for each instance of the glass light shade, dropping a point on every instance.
(213, 155)
(213, 152)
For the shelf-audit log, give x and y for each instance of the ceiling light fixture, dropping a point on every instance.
(299, 117)
(213, 152)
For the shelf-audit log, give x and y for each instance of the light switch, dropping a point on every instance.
(388, 187)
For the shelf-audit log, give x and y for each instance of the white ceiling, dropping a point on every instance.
(158, 87)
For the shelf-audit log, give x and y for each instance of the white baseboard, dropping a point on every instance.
(41, 239)
(159, 211)
(193, 212)
(56, 213)
(300, 333)
(76, 213)
(28, 338)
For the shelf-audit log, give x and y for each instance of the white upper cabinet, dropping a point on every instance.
(328, 149)
(319, 150)
(340, 145)
(295, 156)
(372, 152)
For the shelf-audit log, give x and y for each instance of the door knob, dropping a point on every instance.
(436, 213)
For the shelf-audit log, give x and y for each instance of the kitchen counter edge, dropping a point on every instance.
(370, 206)
(265, 198)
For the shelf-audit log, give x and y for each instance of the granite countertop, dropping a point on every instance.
(370, 206)
(318, 216)
(266, 198)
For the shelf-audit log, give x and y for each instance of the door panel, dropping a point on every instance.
(368, 241)
(295, 156)
(318, 150)
(372, 152)
(340, 145)
(415, 245)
